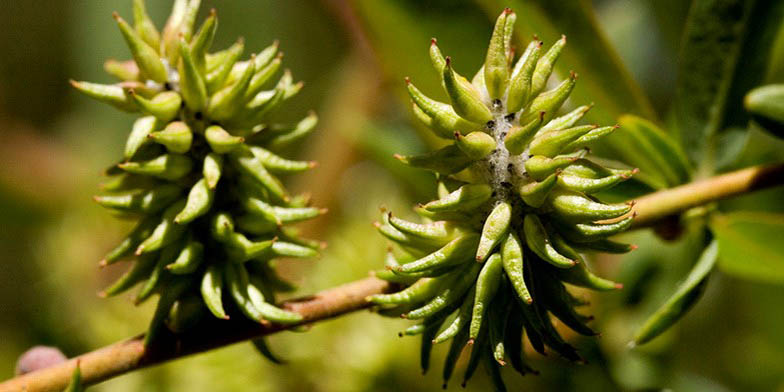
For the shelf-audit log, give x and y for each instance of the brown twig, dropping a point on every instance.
(655, 207)
(129, 355)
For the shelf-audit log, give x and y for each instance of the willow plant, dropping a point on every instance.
(516, 210)
(200, 172)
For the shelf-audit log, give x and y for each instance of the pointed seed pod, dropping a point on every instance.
(465, 98)
(146, 57)
(164, 106)
(496, 69)
(176, 137)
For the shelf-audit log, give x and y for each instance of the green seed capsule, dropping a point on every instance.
(241, 249)
(588, 232)
(539, 241)
(552, 143)
(496, 70)
(465, 98)
(594, 134)
(486, 287)
(545, 66)
(147, 202)
(140, 134)
(458, 343)
(213, 167)
(224, 104)
(221, 141)
(218, 73)
(576, 207)
(302, 129)
(278, 164)
(494, 230)
(439, 233)
(144, 25)
(443, 120)
(497, 315)
(535, 193)
(476, 145)
(139, 270)
(436, 58)
(131, 241)
(164, 106)
(567, 120)
(264, 73)
(448, 160)
(420, 291)
(165, 233)
(146, 57)
(512, 257)
(212, 291)
(245, 161)
(460, 321)
(466, 198)
(287, 249)
(550, 101)
(192, 83)
(122, 70)
(176, 137)
(451, 294)
(236, 280)
(168, 167)
(453, 253)
(189, 258)
(202, 41)
(153, 281)
(111, 94)
(520, 86)
(199, 202)
(540, 167)
(519, 137)
(268, 311)
(590, 185)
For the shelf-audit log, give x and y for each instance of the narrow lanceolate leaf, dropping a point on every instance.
(653, 150)
(682, 300)
(711, 49)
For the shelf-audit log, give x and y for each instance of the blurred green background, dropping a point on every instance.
(353, 56)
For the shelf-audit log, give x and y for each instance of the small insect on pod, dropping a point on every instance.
(515, 210)
(200, 173)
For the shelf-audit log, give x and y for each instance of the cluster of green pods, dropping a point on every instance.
(200, 172)
(489, 262)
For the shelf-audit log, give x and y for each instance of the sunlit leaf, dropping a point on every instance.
(723, 55)
(651, 149)
(684, 298)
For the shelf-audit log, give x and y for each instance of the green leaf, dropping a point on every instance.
(750, 245)
(684, 298)
(725, 52)
(766, 105)
(649, 148)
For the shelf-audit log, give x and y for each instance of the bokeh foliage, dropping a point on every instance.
(353, 56)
